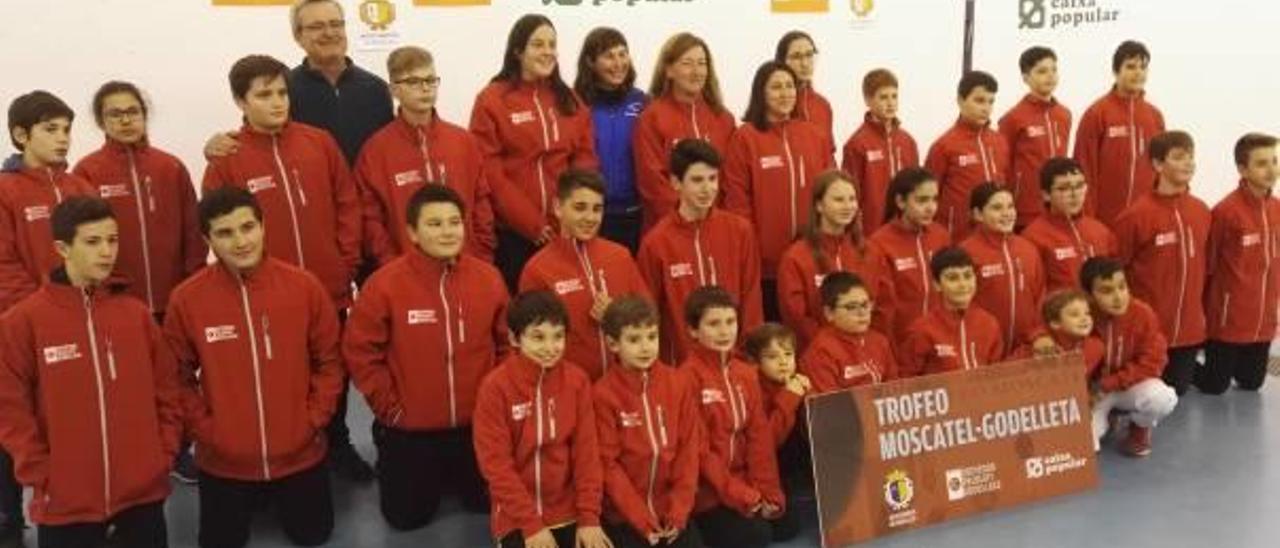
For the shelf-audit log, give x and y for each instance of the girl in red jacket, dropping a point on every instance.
(649, 433)
(772, 348)
(797, 50)
(1064, 235)
(535, 436)
(531, 126)
(686, 104)
(848, 352)
(583, 269)
(956, 335)
(900, 251)
(740, 491)
(1010, 278)
(768, 170)
(879, 149)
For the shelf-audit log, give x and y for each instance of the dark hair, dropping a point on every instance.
(674, 48)
(836, 284)
(759, 339)
(757, 109)
(517, 40)
(877, 79)
(949, 257)
(75, 211)
(222, 201)
(431, 193)
(784, 46)
(975, 79)
(535, 307)
(1032, 57)
(1129, 49)
(1051, 310)
(982, 194)
(587, 83)
(1249, 143)
(251, 67)
(630, 310)
(1057, 167)
(705, 298)
(32, 108)
(901, 186)
(1098, 268)
(1164, 143)
(812, 233)
(691, 151)
(574, 178)
(111, 88)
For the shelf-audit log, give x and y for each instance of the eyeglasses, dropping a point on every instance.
(320, 26)
(119, 115)
(414, 82)
(690, 63)
(856, 307)
(802, 55)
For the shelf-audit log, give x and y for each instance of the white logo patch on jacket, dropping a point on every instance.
(944, 350)
(259, 184)
(1117, 131)
(522, 117)
(680, 270)
(416, 317)
(61, 353)
(630, 419)
(1166, 238)
(989, 270)
(568, 286)
(966, 160)
(904, 263)
(33, 213)
(1064, 253)
(1251, 239)
(219, 333)
(771, 162)
(875, 155)
(113, 191)
(408, 177)
(1036, 131)
(712, 395)
(521, 411)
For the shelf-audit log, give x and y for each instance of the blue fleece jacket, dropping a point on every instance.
(613, 123)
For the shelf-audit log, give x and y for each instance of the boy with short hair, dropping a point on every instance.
(772, 348)
(879, 149)
(1036, 129)
(1069, 325)
(1162, 240)
(535, 436)
(954, 336)
(1129, 378)
(847, 352)
(969, 153)
(650, 436)
(1066, 236)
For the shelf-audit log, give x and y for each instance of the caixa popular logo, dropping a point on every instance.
(1055, 14)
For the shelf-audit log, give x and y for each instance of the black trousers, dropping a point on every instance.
(416, 469)
(137, 527)
(512, 253)
(566, 537)
(623, 228)
(1223, 361)
(1182, 366)
(722, 527)
(10, 495)
(623, 536)
(303, 503)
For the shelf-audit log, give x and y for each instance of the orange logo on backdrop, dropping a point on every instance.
(450, 2)
(799, 6)
(253, 2)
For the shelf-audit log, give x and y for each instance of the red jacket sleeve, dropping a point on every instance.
(1009, 129)
(914, 354)
(20, 431)
(1129, 236)
(378, 240)
(483, 238)
(910, 151)
(782, 419)
(854, 162)
(891, 369)
(195, 411)
(1087, 151)
(16, 280)
(762, 459)
(584, 148)
(195, 252)
(511, 205)
(684, 481)
(817, 364)
(752, 297)
(495, 450)
(617, 485)
(652, 180)
(346, 203)
(365, 344)
(165, 380)
(793, 303)
(1147, 362)
(588, 479)
(737, 175)
(936, 162)
(733, 491)
(327, 372)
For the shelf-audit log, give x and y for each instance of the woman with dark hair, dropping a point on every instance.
(686, 105)
(797, 50)
(531, 127)
(768, 168)
(1011, 279)
(606, 81)
(901, 249)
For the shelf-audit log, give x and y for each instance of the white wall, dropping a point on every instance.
(1213, 73)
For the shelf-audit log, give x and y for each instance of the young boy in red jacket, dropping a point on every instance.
(772, 348)
(1069, 324)
(956, 335)
(969, 153)
(1244, 281)
(258, 342)
(535, 436)
(1111, 141)
(1129, 378)
(1065, 236)
(80, 352)
(1036, 129)
(847, 352)
(740, 490)
(879, 149)
(696, 245)
(416, 149)
(427, 327)
(583, 269)
(1163, 239)
(650, 435)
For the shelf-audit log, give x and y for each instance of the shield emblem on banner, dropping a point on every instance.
(862, 8)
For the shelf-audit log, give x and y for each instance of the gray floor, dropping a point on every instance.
(1214, 479)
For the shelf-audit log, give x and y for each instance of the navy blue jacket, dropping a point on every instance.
(613, 123)
(351, 111)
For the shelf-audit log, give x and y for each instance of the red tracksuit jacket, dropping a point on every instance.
(837, 360)
(650, 438)
(1135, 350)
(1035, 131)
(963, 158)
(768, 179)
(873, 155)
(677, 257)
(535, 439)
(1065, 244)
(812, 107)
(422, 336)
(901, 255)
(154, 201)
(800, 278)
(780, 408)
(1162, 242)
(89, 394)
(739, 466)
(400, 159)
(27, 199)
(1244, 277)
(1010, 282)
(576, 271)
(309, 200)
(1090, 347)
(526, 143)
(267, 351)
(948, 340)
(664, 123)
(1111, 146)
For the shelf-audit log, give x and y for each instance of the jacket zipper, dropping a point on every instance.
(964, 346)
(1133, 153)
(537, 450)
(1183, 246)
(546, 144)
(588, 271)
(1013, 291)
(1266, 269)
(293, 212)
(693, 119)
(257, 379)
(102, 403)
(142, 221)
(57, 193)
(697, 250)
(653, 443)
(266, 337)
(791, 186)
(733, 408)
(987, 168)
(923, 267)
(449, 350)
(426, 156)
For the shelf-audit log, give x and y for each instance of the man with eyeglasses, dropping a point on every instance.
(1065, 235)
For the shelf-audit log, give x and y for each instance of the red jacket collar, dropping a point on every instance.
(1034, 101)
(988, 236)
(1065, 341)
(1115, 95)
(970, 127)
(881, 128)
(681, 223)
(698, 103)
(264, 269)
(411, 131)
(634, 380)
(250, 135)
(115, 147)
(709, 359)
(431, 268)
(526, 371)
(1249, 197)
